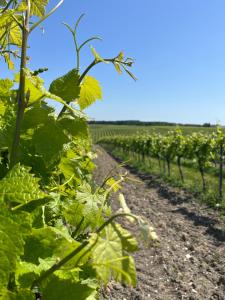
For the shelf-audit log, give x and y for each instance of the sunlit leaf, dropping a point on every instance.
(90, 92)
(38, 7)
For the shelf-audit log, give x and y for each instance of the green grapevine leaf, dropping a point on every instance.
(2, 108)
(70, 168)
(90, 92)
(66, 87)
(20, 186)
(33, 87)
(47, 242)
(76, 127)
(26, 273)
(36, 92)
(84, 211)
(60, 287)
(22, 294)
(5, 88)
(15, 34)
(110, 255)
(85, 194)
(11, 244)
(5, 94)
(10, 31)
(49, 140)
(36, 116)
(38, 7)
(6, 18)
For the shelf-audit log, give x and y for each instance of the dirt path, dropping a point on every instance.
(190, 262)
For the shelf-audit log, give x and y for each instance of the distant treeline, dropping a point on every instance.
(152, 123)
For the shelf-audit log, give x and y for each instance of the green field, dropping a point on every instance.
(99, 131)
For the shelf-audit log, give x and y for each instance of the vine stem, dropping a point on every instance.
(21, 91)
(77, 50)
(61, 263)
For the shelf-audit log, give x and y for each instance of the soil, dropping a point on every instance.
(190, 261)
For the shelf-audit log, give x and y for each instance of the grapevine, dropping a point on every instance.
(200, 150)
(58, 234)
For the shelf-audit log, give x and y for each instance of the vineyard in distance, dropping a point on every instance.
(176, 179)
(187, 156)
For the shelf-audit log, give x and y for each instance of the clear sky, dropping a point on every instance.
(178, 45)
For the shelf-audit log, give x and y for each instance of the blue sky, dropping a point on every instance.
(179, 51)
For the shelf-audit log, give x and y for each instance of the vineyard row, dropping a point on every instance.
(204, 150)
